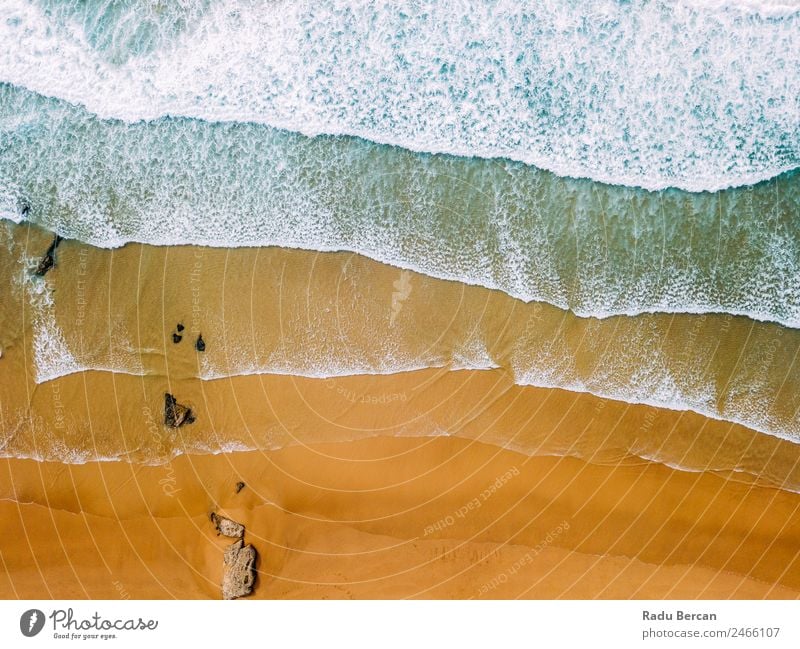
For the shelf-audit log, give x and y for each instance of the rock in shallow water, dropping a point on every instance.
(238, 570)
(49, 259)
(175, 414)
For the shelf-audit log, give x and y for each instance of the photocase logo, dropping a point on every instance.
(31, 622)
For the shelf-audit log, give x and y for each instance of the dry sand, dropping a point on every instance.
(389, 517)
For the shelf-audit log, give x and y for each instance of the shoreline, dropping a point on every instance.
(366, 316)
(93, 415)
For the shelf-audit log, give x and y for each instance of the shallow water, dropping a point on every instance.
(358, 331)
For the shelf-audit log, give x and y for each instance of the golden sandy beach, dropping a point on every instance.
(391, 517)
(439, 481)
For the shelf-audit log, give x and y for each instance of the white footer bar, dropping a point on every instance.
(404, 625)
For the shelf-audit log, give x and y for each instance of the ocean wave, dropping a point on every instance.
(649, 94)
(53, 452)
(594, 249)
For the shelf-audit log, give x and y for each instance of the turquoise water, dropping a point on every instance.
(593, 248)
(654, 94)
(182, 122)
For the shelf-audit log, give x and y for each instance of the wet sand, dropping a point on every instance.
(105, 415)
(434, 482)
(390, 517)
(296, 311)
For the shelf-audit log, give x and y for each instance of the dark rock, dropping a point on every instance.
(240, 486)
(180, 327)
(238, 570)
(176, 415)
(200, 345)
(227, 527)
(49, 259)
(176, 338)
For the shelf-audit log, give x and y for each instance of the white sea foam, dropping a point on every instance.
(597, 250)
(51, 354)
(649, 94)
(639, 370)
(657, 391)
